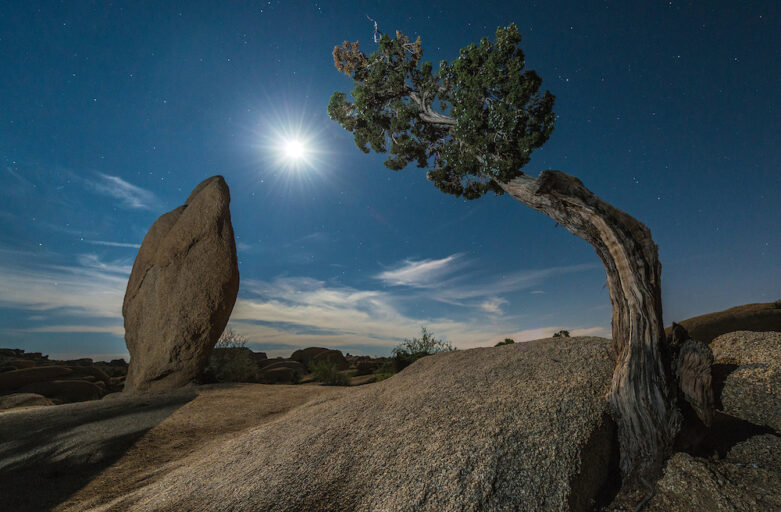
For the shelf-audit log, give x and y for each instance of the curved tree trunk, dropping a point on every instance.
(642, 398)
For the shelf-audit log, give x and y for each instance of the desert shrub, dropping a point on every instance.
(410, 351)
(561, 334)
(325, 371)
(777, 304)
(231, 360)
(385, 371)
(507, 341)
(365, 367)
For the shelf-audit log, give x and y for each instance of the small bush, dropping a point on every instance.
(561, 334)
(385, 371)
(410, 351)
(383, 376)
(777, 304)
(325, 371)
(231, 360)
(507, 341)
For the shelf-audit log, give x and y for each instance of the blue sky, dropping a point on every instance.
(110, 113)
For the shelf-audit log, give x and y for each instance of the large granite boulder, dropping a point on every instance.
(747, 366)
(23, 400)
(66, 390)
(311, 355)
(181, 291)
(748, 479)
(519, 427)
(16, 379)
(760, 317)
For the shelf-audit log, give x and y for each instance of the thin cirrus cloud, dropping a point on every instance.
(421, 273)
(106, 243)
(91, 289)
(493, 305)
(129, 195)
(306, 312)
(287, 311)
(451, 280)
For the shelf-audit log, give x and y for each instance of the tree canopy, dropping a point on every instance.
(475, 121)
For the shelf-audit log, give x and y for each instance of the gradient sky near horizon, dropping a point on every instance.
(111, 112)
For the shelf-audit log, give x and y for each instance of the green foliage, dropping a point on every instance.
(231, 361)
(561, 334)
(384, 375)
(385, 371)
(409, 351)
(475, 121)
(507, 341)
(326, 372)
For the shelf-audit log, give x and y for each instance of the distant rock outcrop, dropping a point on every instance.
(309, 355)
(16, 379)
(482, 429)
(66, 390)
(181, 290)
(759, 317)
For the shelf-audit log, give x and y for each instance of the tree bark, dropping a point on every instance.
(641, 397)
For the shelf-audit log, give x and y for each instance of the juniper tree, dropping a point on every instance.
(473, 125)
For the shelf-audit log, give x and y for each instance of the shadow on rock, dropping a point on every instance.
(48, 454)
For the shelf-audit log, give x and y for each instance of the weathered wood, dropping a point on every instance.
(641, 397)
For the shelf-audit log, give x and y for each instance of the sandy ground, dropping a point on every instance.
(77, 456)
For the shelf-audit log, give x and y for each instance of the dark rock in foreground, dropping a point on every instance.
(181, 291)
(23, 400)
(518, 427)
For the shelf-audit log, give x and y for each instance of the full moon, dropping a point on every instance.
(294, 149)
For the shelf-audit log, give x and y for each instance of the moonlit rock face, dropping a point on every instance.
(181, 291)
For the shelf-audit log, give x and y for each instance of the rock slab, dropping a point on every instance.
(181, 290)
(751, 387)
(491, 429)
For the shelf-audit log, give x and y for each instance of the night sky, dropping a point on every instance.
(111, 112)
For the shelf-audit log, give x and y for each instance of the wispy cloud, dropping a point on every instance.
(129, 195)
(86, 297)
(93, 288)
(420, 273)
(117, 330)
(493, 305)
(303, 312)
(113, 244)
(454, 279)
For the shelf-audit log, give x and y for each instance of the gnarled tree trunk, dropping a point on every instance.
(642, 397)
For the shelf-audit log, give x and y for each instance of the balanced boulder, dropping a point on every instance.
(181, 290)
